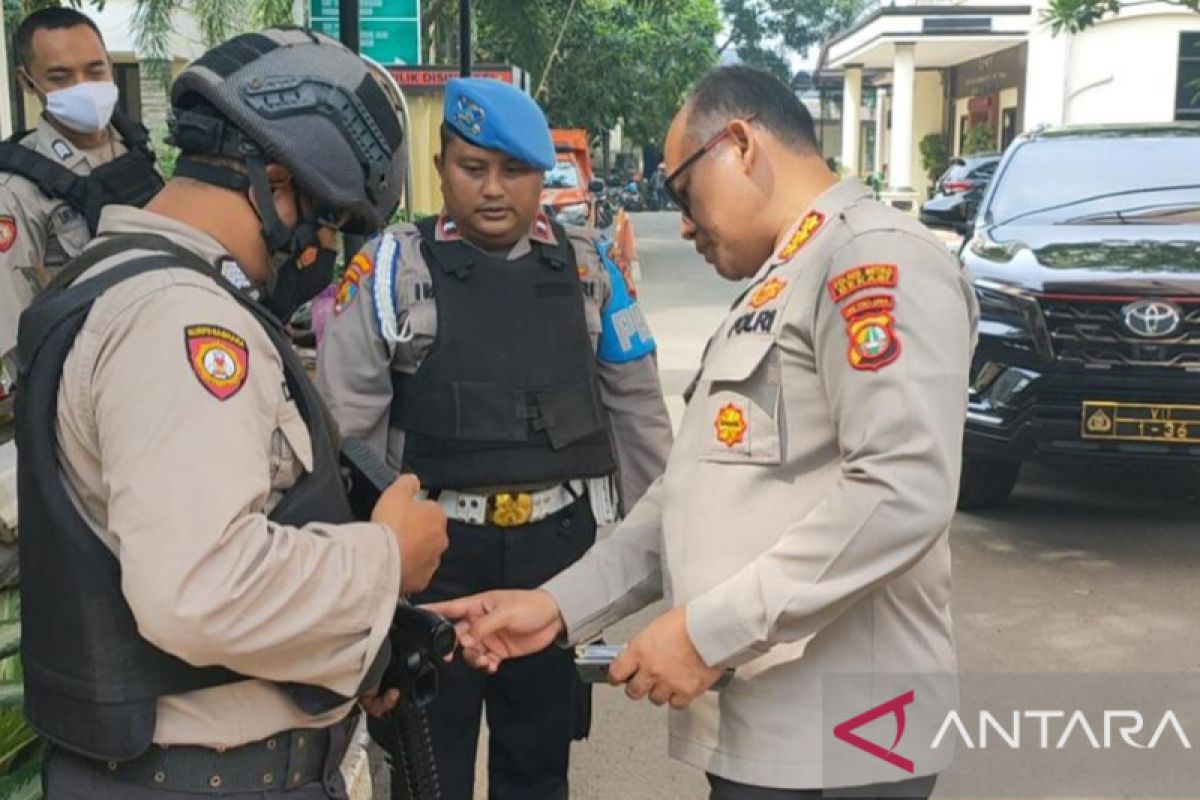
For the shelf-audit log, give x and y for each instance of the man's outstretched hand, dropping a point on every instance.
(503, 624)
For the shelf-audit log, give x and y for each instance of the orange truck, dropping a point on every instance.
(567, 195)
(566, 188)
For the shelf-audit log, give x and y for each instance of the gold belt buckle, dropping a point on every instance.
(510, 509)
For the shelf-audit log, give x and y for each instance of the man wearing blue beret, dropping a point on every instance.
(502, 359)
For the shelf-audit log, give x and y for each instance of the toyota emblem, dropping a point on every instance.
(1151, 319)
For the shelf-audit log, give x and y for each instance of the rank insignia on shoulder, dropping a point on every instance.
(62, 149)
(769, 291)
(357, 270)
(871, 328)
(8, 233)
(866, 276)
(811, 223)
(219, 358)
(731, 425)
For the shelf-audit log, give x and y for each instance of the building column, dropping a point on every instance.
(880, 126)
(904, 76)
(6, 121)
(1046, 65)
(851, 108)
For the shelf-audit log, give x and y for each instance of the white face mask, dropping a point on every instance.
(85, 107)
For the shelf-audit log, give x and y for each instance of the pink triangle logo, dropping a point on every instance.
(893, 707)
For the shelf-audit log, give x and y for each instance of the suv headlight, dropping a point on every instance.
(1005, 311)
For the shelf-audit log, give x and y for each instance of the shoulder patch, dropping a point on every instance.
(871, 328)
(808, 227)
(866, 276)
(219, 358)
(356, 271)
(8, 233)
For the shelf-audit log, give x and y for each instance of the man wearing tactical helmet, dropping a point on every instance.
(202, 613)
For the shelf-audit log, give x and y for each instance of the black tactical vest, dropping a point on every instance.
(130, 179)
(508, 393)
(91, 681)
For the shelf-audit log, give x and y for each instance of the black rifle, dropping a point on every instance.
(420, 642)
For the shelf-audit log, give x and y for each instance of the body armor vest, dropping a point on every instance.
(508, 393)
(91, 681)
(130, 179)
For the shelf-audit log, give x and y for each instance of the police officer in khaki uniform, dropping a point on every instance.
(201, 612)
(800, 530)
(47, 217)
(53, 182)
(504, 360)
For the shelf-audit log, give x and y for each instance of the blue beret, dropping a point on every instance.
(496, 116)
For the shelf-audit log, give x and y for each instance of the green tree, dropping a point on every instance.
(935, 155)
(1074, 16)
(597, 63)
(764, 32)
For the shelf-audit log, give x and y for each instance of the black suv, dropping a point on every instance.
(1086, 260)
(957, 193)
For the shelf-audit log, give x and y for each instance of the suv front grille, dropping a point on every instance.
(1088, 332)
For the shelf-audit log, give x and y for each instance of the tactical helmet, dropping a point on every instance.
(300, 99)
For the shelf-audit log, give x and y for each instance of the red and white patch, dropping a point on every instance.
(219, 358)
(8, 233)
(866, 276)
(541, 231)
(447, 230)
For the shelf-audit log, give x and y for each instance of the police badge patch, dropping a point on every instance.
(871, 327)
(219, 358)
(8, 233)
(731, 425)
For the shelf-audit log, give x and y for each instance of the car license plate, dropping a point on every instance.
(1140, 422)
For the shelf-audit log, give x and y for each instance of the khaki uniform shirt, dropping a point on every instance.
(39, 234)
(177, 482)
(804, 513)
(368, 337)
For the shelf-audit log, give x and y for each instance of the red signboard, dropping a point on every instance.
(417, 78)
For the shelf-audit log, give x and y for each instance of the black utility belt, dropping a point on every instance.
(283, 761)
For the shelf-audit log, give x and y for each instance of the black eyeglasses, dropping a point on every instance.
(680, 198)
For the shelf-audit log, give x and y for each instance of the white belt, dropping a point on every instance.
(514, 509)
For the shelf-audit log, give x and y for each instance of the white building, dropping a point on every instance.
(948, 68)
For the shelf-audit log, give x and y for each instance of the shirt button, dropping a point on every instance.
(215, 781)
(271, 744)
(296, 776)
(160, 777)
(300, 742)
(268, 779)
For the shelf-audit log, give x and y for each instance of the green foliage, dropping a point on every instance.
(979, 139)
(763, 32)
(20, 751)
(1073, 16)
(603, 62)
(935, 155)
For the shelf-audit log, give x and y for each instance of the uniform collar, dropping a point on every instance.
(52, 143)
(540, 231)
(130, 219)
(815, 218)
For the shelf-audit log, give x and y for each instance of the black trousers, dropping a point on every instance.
(535, 705)
(919, 788)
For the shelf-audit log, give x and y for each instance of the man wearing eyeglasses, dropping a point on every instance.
(800, 530)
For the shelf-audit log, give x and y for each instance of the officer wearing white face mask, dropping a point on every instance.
(83, 154)
(54, 180)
